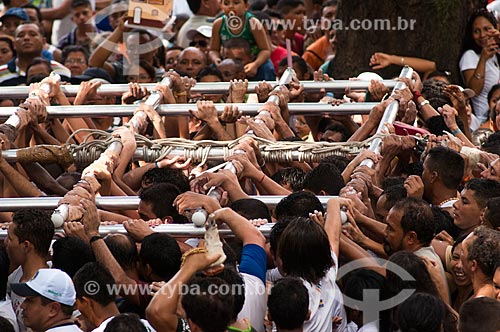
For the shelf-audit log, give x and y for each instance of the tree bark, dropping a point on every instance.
(437, 34)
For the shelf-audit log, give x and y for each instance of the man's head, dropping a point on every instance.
(329, 10)
(200, 37)
(298, 204)
(468, 209)
(160, 257)
(481, 252)
(171, 56)
(491, 215)
(291, 178)
(143, 44)
(165, 175)
(123, 249)
(294, 11)
(410, 226)
(29, 40)
(480, 314)
(49, 299)
(493, 170)
(288, 304)
(210, 308)
(34, 13)
(443, 167)
(29, 234)
(81, 12)
(70, 253)
(37, 70)
(90, 301)
(191, 61)
(156, 202)
(12, 18)
(251, 208)
(388, 199)
(324, 179)
(231, 70)
(238, 49)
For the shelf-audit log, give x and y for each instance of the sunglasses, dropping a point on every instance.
(200, 43)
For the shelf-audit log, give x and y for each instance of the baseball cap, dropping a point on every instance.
(17, 12)
(204, 30)
(53, 284)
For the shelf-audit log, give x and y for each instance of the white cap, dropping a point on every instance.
(53, 284)
(469, 93)
(204, 30)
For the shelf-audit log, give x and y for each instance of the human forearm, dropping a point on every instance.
(219, 131)
(103, 51)
(57, 12)
(262, 58)
(241, 227)
(23, 186)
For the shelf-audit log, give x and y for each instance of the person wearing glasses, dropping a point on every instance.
(200, 38)
(76, 59)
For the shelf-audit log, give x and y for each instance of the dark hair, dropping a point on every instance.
(288, 303)
(4, 272)
(161, 196)
(211, 311)
(298, 61)
(298, 204)
(98, 274)
(468, 42)
(73, 49)
(38, 11)
(484, 190)
(162, 253)
(421, 312)
(273, 13)
(439, 73)
(251, 208)
(78, 3)
(355, 282)
(168, 175)
(436, 124)
(70, 254)
(237, 43)
(304, 250)
(237, 284)
(194, 5)
(444, 221)
(415, 266)
(434, 89)
(415, 168)
(392, 181)
(9, 41)
(291, 175)
(123, 249)
(39, 61)
(492, 212)
(480, 314)
(340, 162)
(493, 89)
(276, 232)
(394, 194)
(148, 68)
(209, 71)
(5, 325)
(492, 144)
(339, 128)
(448, 164)
(34, 226)
(285, 6)
(417, 217)
(125, 323)
(324, 177)
(485, 250)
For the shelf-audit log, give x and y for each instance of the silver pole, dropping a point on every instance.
(183, 109)
(209, 87)
(389, 115)
(109, 202)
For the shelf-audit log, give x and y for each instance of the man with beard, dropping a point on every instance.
(411, 227)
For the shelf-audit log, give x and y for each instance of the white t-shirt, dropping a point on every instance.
(17, 300)
(325, 302)
(7, 312)
(255, 306)
(105, 323)
(469, 60)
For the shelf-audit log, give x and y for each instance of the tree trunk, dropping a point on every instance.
(437, 33)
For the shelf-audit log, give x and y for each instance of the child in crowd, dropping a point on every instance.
(238, 22)
(81, 15)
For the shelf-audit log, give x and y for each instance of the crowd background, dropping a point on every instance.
(430, 205)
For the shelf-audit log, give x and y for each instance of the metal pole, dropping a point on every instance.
(183, 109)
(389, 115)
(208, 87)
(110, 202)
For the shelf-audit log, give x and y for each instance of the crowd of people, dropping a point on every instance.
(419, 230)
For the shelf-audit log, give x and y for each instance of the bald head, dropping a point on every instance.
(191, 61)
